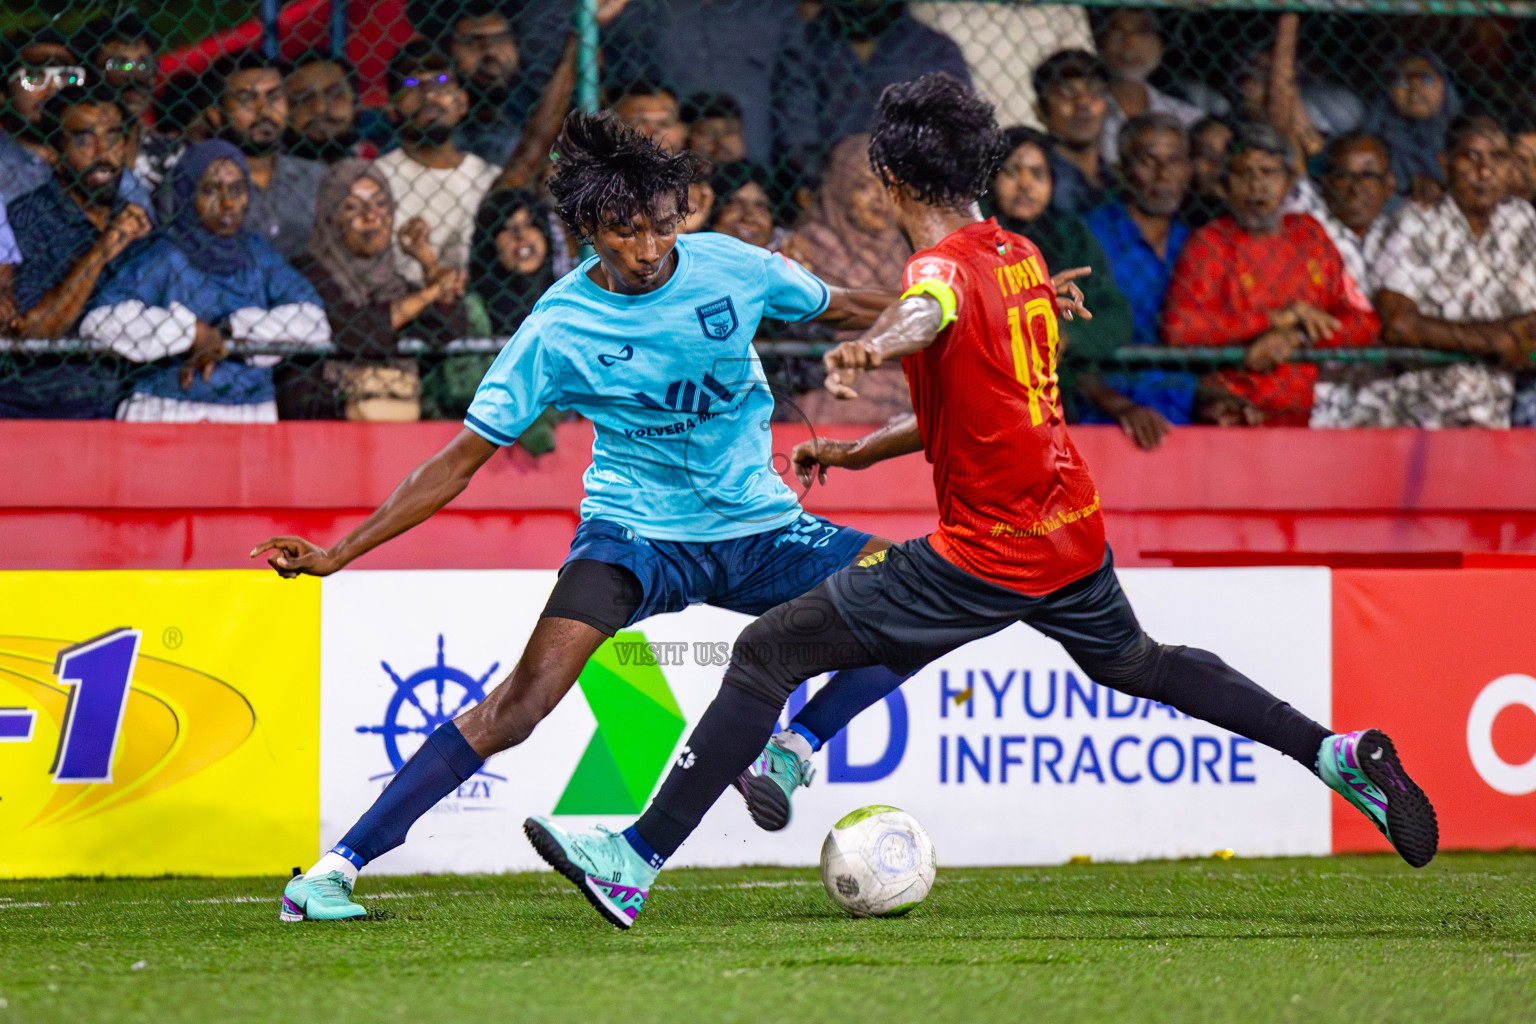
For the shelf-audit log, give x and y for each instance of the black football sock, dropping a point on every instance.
(733, 731)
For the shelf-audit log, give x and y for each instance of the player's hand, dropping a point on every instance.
(295, 556)
(1069, 297)
(1144, 425)
(814, 457)
(846, 364)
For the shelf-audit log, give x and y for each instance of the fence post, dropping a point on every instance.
(269, 27)
(586, 54)
(338, 28)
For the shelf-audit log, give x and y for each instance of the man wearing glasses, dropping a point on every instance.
(38, 66)
(429, 175)
(69, 231)
(1355, 203)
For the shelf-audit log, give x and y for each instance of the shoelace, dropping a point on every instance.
(334, 886)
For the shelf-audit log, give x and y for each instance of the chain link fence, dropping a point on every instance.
(1300, 213)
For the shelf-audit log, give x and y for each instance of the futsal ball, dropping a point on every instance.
(877, 862)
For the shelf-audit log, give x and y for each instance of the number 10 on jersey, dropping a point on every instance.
(1034, 335)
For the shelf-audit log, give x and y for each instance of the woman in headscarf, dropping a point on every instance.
(369, 304)
(850, 238)
(1411, 115)
(511, 265)
(1020, 198)
(744, 206)
(197, 284)
(510, 262)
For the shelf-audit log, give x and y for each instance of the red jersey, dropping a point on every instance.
(1016, 504)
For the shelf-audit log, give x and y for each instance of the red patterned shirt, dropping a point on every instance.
(1225, 283)
(1016, 504)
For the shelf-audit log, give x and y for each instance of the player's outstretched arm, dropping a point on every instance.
(855, 309)
(909, 326)
(814, 457)
(430, 486)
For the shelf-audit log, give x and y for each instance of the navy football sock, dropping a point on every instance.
(845, 695)
(434, 771)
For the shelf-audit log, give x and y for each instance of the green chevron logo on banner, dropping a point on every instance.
(638, 724)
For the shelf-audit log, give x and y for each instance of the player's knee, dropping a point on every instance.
(758, 666)
(1136, 670)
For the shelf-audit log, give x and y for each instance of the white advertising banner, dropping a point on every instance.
(1003, 749)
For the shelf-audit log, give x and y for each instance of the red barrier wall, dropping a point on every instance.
(106, 495)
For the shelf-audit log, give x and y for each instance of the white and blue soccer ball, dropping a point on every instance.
(877, 862)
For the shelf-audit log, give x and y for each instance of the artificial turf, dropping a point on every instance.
(1343, 939)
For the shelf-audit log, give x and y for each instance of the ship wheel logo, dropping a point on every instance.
(422, 701)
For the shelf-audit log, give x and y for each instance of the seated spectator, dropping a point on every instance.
(429, 176)
(37, 65)
(849, 238)
(511, 262)
(1266, 281)
(1073, 87)
(1460, 275)
(484, 53)
(199, 283)
(322, 109)
(1358, 190)
(743, 208)
(701, 203)
(999, 37)
(1208, 142)
(1130, 40)
(714, 127)
(826, 88)
(1021, 200)
(122, 50)
(1522, 140)
(711, 47)
(72, 228)
(10, 255)
(653, 111)
(1142, 237)
(510, 267)
(250, 111)
(1412, 115)
(368, 304)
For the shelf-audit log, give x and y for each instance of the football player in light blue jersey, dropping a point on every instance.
(652, 341)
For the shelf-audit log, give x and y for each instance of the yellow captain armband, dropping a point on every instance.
(941, 293)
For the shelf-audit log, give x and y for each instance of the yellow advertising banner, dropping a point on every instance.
(158, 722)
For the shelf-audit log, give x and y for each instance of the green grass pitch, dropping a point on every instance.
(1342, 939)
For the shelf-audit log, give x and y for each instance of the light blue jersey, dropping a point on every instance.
(672, 384)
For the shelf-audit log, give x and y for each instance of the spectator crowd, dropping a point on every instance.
(263, 246)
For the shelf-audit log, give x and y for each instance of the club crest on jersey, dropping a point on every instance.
(718, 318)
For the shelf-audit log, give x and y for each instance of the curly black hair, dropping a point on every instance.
(607, 173)
(939, 138)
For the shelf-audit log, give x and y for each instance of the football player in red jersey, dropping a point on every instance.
(1020, 535)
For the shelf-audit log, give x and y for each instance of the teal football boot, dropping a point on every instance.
(321, 898)
(601, 864)
(1364, 769)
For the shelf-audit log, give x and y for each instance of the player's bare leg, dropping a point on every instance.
(550, 664)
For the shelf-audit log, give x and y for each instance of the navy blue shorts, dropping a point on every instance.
(745, 574)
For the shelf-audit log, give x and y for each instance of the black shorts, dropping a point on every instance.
(912, 606)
